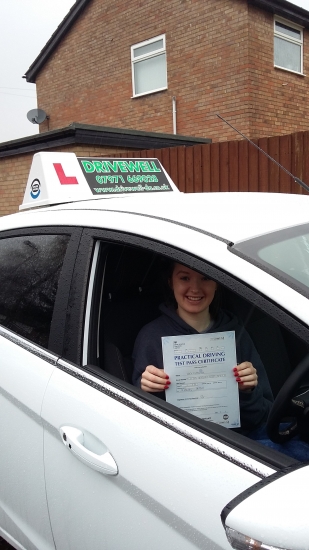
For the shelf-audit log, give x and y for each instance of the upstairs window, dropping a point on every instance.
(149, 66)
(288, 46)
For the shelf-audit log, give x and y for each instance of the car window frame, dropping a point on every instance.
(75, 331)
(57, 327)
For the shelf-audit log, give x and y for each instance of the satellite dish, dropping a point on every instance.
(37, 116)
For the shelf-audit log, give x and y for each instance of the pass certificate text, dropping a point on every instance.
(200, 367)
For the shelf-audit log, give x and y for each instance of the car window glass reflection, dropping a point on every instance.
(290, 256)
(30, 269)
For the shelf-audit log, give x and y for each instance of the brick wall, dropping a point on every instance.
(279, 103)
(219, 58)
(88, 79)
(13, 178)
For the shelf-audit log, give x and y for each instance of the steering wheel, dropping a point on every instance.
(287, 405)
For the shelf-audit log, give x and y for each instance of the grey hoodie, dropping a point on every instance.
(254, 405)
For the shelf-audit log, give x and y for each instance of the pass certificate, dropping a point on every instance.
(200, 367)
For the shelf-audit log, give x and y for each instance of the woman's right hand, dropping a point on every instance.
(154, 379)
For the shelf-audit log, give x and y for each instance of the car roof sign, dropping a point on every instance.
(57, 178)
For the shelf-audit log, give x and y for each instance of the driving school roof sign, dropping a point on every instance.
(62, 177)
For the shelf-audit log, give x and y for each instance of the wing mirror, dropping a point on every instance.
(271, 515)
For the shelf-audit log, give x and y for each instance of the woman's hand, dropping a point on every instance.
(154, 379)
(246, 376)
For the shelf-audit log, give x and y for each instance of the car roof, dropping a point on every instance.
(229, 216)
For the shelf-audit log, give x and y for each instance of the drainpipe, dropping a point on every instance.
(174, 116)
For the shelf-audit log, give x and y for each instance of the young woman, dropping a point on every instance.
(196, 311)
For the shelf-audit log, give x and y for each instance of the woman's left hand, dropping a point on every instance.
(246, 376)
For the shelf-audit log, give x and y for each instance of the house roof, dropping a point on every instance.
(278, 7)
(55, 39)
(87, 134)
(284, 9)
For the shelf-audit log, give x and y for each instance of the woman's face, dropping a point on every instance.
(193, 292)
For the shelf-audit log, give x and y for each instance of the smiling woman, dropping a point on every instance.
(193, 312)
(193, 293)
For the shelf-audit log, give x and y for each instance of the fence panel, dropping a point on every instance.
(285, 158)
(236, 165)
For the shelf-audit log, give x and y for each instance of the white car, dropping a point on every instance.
(89, 461)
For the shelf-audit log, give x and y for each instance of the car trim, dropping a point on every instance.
(29, 346)
(221, 449)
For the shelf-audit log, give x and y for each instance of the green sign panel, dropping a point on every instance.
(109, 176)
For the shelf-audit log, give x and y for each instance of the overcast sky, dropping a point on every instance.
(25, 27)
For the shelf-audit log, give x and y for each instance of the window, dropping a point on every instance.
(149, 66)
(288, 46)
(30, 270)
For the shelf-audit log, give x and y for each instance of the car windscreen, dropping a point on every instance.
(284, 254)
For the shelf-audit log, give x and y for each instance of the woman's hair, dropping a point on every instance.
(169, 298)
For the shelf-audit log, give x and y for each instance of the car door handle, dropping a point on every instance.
(74, 439)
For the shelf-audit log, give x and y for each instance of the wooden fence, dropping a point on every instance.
(236, 165)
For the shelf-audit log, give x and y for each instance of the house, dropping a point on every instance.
(171, 66)
(147, 78)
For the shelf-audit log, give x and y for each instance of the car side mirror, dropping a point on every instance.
(273, 514)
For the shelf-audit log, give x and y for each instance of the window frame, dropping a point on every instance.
(287, 38)
(144, 57)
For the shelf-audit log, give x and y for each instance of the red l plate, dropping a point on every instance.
(64, 180)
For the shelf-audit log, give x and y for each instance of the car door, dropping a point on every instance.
(32, 262)
(121, 474)
(123, 469)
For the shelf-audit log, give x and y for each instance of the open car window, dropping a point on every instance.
(129, 288)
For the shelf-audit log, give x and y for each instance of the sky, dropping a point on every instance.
(25, 27)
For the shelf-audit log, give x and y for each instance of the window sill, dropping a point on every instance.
(289, 71)
(148, 93)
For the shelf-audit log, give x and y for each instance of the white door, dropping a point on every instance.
(171, 484)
